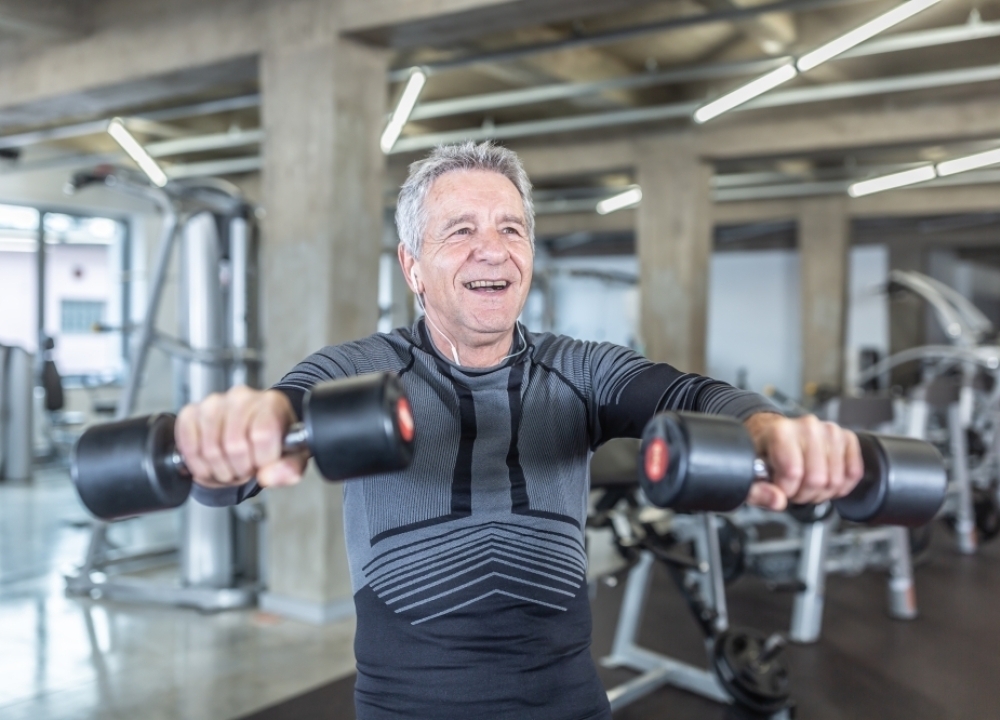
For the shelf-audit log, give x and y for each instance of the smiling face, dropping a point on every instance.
(475, 265)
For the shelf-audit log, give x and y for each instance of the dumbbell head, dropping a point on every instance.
(692, 462)
(904, 483)
(121, 468)
(359, 426)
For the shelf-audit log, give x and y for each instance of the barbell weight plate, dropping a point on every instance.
(359, 426)
(693, 462)
(761, 686)
(904, 483)
(119, 468)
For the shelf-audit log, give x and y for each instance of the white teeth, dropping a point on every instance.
(489, 284)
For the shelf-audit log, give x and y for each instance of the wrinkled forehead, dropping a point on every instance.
(468, 191)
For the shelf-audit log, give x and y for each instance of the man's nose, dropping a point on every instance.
(492, 247)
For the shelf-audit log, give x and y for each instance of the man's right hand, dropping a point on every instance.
(229, 438)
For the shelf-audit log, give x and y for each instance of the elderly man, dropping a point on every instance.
(469, 567)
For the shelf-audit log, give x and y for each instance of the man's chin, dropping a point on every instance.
(492, 325)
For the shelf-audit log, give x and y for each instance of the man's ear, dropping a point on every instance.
(408, 263)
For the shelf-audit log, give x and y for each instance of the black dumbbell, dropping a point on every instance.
(353, 427)
(692, 462)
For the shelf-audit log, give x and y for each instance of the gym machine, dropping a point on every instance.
(213, 229)
(956, 405)
(814, 543)
(691, 463)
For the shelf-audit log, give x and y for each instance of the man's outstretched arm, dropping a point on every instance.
(810, 460)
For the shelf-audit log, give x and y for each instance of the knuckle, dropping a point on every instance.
(240, 391)
(264, 434)
(187, 414)
(785, 428)
(235, 446)
(814, 479)
(212, 452)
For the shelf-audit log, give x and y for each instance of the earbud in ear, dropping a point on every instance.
(413, 279)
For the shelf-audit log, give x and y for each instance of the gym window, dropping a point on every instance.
(80, 316)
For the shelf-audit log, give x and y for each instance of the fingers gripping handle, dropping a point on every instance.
(295, 441)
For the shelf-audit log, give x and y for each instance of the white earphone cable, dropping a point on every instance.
(454, 350)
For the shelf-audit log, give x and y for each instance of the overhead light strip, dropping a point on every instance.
(128, 143)
(407, 101)
(969, 162)
(744, 93)
(810, 60)
(889, 182)
(628, 199)
(859, 34)
(925, 173)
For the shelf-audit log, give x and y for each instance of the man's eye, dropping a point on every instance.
(463, 231)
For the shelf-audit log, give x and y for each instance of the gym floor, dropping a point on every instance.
(66, 657)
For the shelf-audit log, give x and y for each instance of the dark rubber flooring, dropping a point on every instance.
(945, 664)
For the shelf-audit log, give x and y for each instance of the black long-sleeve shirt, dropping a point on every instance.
(468, 567)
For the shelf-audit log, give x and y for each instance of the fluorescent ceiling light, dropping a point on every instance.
(629, 198)
(810, 60)
(925, 173)
(969, 162)
(117, 130)
(401, 114)
(895, 180)
(745, 92)
(865, 32)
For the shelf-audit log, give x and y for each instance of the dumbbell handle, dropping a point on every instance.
(296, 440)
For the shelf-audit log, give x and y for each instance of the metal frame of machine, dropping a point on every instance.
(218, 347)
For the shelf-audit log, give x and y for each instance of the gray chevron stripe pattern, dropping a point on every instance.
(436, 576)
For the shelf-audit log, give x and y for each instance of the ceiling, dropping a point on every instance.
(539, 70)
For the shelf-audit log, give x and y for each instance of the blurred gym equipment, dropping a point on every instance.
(956, 405)
(213, 228)
(744, 668)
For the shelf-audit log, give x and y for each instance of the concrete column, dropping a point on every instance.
(824, 240)
(323, 104)
(674, 244)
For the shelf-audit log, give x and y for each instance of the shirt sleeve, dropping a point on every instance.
(628, 390)
(327, 364)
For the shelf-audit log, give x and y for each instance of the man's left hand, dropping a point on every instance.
(811, 461)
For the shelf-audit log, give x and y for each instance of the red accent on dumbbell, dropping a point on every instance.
(404, 414)
(657, 459)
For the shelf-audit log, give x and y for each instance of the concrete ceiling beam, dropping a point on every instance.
(42, 19)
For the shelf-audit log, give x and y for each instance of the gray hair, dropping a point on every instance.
(411, 215)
